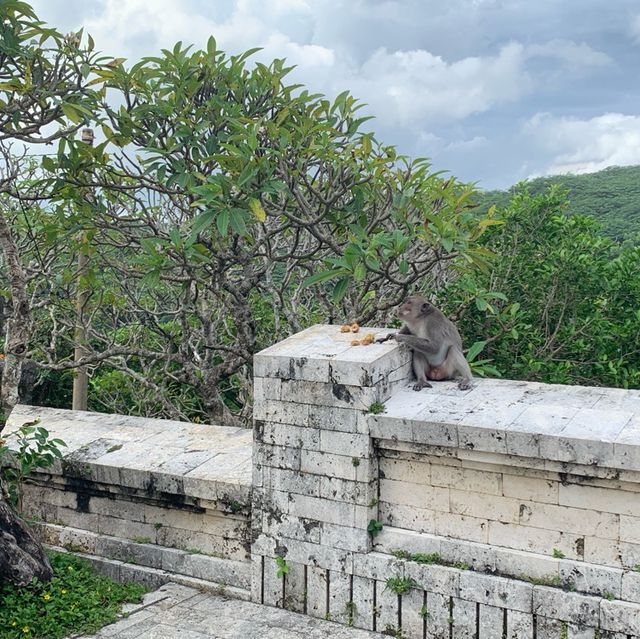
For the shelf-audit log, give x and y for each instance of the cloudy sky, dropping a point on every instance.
(494, 91)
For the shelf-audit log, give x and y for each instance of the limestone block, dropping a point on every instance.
(318, 555)
(469, 555)
(281, 412)
(409, 470)
(339, 443)
(610, 553)
(519, 625)
(530, 488)
(496, 591)
(467, 479)
(291, 527)
(295, 587)
(412, 617)
(223, 571)
(256, 578)
(600, 499)
(290, 436)
(527, 565)
(330, 418)
(574, 520)
(390, 539)
(345, 490)
(317, 592)
(410, 517)
(417, 495)
(464, 619)
(595, 580)
(329, 464)
(481, 506)
(278, 456)
(438, 616)
(363, 612)
(463, 527)
(266, 388)
(434, 578)
(345, 537)
(620, 616)
(566, 606)
(549, 628)
(386, 609)
(377, 566)
(630, 590)
(333, 512)
(273, 585)
(490, 622)
(577, 631)
(293, 482)
(340, 608)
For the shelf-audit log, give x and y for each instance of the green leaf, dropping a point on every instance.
(340, 289)
(475, 350)
(481, 304)
(323, 276)
(257, 209)
(222, 222)
(201, 222)
(72, 113)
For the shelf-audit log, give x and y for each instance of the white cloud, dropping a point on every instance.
(406, 87)
(572, 54)
(584, 146)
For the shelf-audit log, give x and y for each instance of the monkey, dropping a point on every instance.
(435, 341)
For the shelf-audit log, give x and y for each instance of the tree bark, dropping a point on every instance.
(19, 324)
(21, 555)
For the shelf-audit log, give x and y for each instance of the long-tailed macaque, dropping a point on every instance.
(435, 341)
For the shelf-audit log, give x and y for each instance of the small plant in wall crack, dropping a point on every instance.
(282, 565)
(558, 554)
(374, 528)
(392, 631)
(376, 408)
(401, 585)
(424, 612)
(351, 610)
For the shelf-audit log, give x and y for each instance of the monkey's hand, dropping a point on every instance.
(381, 340)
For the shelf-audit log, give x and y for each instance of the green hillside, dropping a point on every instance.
(612, 196)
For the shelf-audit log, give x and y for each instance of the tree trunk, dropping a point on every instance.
(21, 555)
(19, 324)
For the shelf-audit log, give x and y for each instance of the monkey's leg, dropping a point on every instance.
(420, 370)
(459, 363)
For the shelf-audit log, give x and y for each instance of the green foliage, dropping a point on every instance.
(283, 568)
(374, 527)
(33, 449)
(558, 554)
(401, 585)
(376, 408)
(611, 196)
(569, 305)
(75, 600)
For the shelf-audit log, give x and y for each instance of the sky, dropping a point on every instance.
(493, 91)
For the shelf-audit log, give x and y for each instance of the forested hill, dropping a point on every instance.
(612, 196)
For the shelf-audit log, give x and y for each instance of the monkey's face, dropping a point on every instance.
(414, 308)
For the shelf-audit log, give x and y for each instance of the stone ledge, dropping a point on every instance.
(181, 458)
(323, 354)
(568, 424)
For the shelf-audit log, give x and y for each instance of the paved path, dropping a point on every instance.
(177, 612)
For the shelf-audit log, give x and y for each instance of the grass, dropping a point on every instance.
(76, 600)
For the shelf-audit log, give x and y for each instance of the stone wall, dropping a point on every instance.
(146, 499)
(510, 510)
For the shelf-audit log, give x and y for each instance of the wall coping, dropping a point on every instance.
(196, 460)
(560, 423)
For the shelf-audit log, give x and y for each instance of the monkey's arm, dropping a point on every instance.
(403, 331)
(419, 344)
